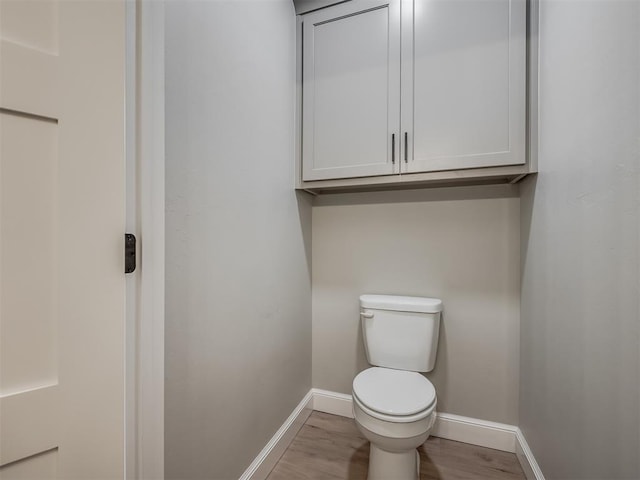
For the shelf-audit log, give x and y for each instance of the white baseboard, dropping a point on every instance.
(331, 402)
(527, 460)
(483, 433)
(451, 427)
(495, 435)
(271, 453)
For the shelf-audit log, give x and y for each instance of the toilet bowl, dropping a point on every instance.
(393, 404)
(395, 411)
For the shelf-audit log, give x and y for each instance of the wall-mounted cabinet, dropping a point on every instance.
(398, 92)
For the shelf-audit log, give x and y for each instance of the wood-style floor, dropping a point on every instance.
(331, 447)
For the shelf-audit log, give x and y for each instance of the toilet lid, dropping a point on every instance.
(394, 392)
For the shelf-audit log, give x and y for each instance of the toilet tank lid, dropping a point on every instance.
(401, 303)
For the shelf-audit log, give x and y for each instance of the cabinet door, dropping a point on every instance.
(463, 84)
(351, 90)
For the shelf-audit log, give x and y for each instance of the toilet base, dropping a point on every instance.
(385, 465)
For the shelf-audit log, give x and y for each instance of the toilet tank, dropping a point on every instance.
(401, 332)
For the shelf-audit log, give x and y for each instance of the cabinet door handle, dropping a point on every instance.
(406, 147)
(393, 148)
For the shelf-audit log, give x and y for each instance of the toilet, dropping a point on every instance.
(394, 406)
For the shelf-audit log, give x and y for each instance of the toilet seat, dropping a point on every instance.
(394, 395)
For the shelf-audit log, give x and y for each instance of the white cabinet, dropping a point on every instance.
(351, 90)
(404, 87)
(463, 84)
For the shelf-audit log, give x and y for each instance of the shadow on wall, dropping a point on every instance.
(305, 201)
(527, 197)
(360, 351)
(440, 373)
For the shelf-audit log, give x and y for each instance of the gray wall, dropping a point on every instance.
(238, 325)
(460, 245)
(580, 374)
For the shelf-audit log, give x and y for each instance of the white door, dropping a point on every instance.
(463, 84)
(62, 206)
(351, 93)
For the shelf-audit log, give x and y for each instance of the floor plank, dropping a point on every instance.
(331, 447)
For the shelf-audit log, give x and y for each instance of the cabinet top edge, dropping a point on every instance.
(307, 6)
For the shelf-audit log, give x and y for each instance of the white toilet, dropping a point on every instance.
(394, 405)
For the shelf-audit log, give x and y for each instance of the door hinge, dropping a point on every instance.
(129, 253)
